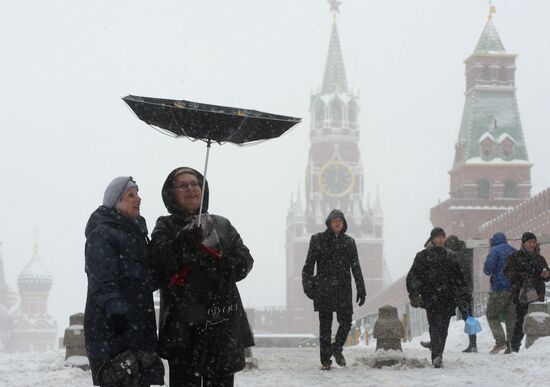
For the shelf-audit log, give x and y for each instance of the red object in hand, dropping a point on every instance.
(211, 251)
(180, 277)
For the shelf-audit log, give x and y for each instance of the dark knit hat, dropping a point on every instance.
(436, 231)
(116, 189)
(527, 236)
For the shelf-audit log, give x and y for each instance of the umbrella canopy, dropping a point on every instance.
(209, 123)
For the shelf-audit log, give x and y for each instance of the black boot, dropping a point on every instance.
(472, 347)
(426, 344)
(337, 353)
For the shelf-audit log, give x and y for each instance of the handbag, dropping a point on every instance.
(472, 326)
(122, 368)
(528, 293)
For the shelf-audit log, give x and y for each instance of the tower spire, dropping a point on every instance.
(489, 41)
(35, 244)
(334, 80)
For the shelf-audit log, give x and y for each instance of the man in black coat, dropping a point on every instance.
(527, 272)
(335, 254)
(435, 283)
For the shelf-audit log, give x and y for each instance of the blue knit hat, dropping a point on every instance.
(116, 189)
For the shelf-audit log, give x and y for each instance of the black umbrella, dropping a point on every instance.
(209, 123)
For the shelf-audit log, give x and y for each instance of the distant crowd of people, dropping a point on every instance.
(440, 281)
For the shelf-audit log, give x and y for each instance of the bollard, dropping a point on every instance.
(536, 323)
(75, 355)
(388, 332)
(388, 329)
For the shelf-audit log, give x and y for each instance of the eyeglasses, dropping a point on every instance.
(191, 185)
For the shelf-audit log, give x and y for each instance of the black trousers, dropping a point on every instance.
(517, 336)
(182, 376)
(325, 333)
(439, 328)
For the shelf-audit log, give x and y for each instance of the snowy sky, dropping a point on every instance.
(65, 132)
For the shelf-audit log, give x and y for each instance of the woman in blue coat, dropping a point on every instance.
(119, 322)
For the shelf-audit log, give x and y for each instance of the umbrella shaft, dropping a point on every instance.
(204, 179)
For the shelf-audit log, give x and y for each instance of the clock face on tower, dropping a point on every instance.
(336, 179)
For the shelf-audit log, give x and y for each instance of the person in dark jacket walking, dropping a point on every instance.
(335, 254)
(435, 283)
(119, 322)
(464, 257)
(500, 299)
(203, 326)
(527, 271)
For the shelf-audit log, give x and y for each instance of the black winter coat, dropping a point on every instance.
(335, 257)
(120, 312)
(186, 324)
(522, 266)
(464, 257)
(435, 275)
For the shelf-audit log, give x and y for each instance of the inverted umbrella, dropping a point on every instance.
(209, 123)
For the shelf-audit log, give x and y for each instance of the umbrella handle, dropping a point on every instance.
(204, 179)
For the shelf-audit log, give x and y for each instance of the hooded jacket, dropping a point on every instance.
(335, 257)
(186, 308)
(119, 305)
(464, 257)
(435, 275)
(523, 266)
(495, 261)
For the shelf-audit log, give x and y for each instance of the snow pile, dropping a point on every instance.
(401, 360)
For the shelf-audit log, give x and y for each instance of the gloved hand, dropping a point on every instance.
(190, 237)
(416, 301)
(146, 358)
(361, 298)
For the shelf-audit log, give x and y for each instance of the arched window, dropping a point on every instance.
(319, 113)
(502, 74)
(510, 189)
(486, 74)
(336, 110)
(352, 112)
(483, 189)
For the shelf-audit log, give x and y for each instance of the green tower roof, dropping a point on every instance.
(489, 41)
(490, 113)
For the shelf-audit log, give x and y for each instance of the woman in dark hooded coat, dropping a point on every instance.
(119, 324)
(203, 326)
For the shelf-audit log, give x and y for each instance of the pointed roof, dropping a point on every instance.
(489, 41)
(334, 80)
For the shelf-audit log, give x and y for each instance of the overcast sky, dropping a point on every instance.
(65, 132)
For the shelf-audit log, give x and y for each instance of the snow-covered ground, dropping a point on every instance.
(300, 367)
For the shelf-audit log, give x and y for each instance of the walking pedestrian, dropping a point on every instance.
(435, 283)
(335, 255)
(527, 271)
(500, 298)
